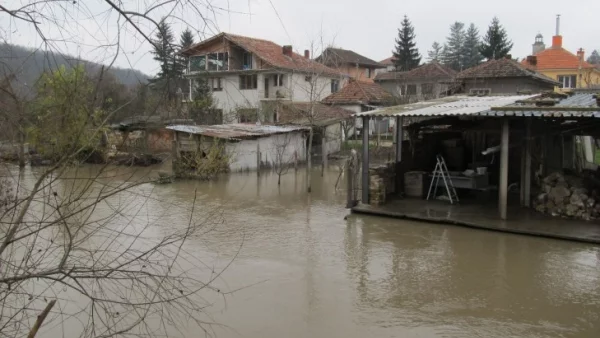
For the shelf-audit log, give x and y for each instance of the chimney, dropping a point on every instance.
(532, 60)
(287, 50)
(307, 53)
(581, 54)
(557, 39)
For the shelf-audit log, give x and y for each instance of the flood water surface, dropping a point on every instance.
(306, 271)
(300, 265)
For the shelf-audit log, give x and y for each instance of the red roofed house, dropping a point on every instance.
(359, 96)
(570, 70)
(246, 73)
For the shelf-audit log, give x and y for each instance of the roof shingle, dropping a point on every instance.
(297, 113)
(556, 58)
(502, 68)
(335, 57)
(269, 52)
(432, 70)
(357, 92)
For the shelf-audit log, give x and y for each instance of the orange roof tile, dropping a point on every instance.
(359, 92)
(556, 58)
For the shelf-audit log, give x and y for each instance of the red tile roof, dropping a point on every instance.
(503, 68)
(297, 113)
(432, 70)
(388, 62)
(556, 58)
(269, 52)
(358, 92)
(335, 57)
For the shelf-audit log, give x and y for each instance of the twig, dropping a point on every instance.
(40, 319)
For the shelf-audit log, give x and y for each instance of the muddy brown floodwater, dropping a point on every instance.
(305, 271)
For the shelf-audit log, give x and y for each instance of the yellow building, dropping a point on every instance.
(571, 70)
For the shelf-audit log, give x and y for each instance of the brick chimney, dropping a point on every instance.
(307, 53)
(581, 54)
(287, 50)
(557, 39)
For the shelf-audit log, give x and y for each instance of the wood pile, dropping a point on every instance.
(568, 196)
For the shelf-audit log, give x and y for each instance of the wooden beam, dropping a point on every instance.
(503, 182)
(365, 160)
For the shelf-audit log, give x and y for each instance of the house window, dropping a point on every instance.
(197, 63)
(216, 84)
(217, 61)
(248, 81)
(247, 61)
(567, 81)
(411, 89)
(308, 78)
(335, 85)
(278, 80)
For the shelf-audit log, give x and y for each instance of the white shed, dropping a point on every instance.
(248, 146)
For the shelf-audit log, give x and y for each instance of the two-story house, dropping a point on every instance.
(246, 74)
(349, 64)
(570, 70)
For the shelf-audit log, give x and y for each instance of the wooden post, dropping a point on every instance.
(258, 157)
(399, 138)
(350, 184)
(503, 182)
(528, 142)
(522, 183)
(365, 160)
(324, 148)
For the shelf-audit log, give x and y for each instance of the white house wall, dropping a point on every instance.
(244, 153)
(301, 89)
(232, 97)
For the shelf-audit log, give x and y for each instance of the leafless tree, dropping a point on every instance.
(280, 152)
(82, 252)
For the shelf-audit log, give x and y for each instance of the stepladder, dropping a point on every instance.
(441, 177)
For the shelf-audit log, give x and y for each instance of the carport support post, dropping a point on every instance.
(365, 160)
(527, 190)
(399, 138)
(503, 182)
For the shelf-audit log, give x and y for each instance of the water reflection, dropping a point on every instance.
(302, 270)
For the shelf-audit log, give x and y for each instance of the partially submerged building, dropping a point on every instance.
(516, 148)
(238, 147)
(244, 73)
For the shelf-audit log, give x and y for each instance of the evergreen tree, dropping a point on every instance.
(471, 55)
(171, 68)
(406, 54)
(496, 44)
(186, 39)
(594, 58)
(435, 53)
(454, 47)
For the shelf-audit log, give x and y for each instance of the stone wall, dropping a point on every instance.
(567, 196)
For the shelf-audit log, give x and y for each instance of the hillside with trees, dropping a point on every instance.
(29, 64)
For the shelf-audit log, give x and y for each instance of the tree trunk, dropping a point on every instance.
(309, 161)
(279, 179)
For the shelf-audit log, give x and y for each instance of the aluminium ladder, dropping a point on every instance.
(441, 172)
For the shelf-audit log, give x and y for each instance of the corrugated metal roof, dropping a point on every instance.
(236, 131)
(578, 100)
(448, 106)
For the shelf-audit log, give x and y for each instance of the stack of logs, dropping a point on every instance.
(381, 183)
(567, 196)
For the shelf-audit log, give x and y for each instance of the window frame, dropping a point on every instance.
(335, 84)
(219, 84)
(248, 82)
(278, 80)
(570, 78)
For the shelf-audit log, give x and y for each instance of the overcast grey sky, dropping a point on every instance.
(367, 27)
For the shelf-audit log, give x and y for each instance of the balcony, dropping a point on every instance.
(233, 60)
